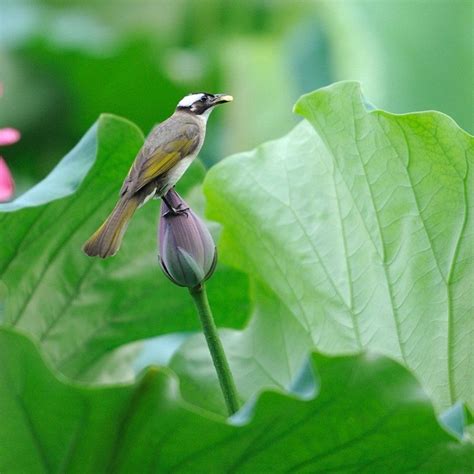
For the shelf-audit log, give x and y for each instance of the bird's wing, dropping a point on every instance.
(163, 149)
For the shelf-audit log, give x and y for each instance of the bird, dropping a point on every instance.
(168, 151)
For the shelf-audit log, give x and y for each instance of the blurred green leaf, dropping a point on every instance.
(80, 308)
(261, 84)
(360, 224)
(56, 427)
(404, 63)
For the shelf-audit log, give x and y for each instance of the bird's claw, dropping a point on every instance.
(173, 211)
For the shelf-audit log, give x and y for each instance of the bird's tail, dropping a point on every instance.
(106, 240)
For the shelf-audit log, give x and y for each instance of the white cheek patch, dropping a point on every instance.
(189, 100)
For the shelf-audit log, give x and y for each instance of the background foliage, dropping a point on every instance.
(63, 63)
(350, 234)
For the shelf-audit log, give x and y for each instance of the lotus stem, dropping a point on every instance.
(214, 343)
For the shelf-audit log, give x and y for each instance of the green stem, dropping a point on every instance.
(215, 348)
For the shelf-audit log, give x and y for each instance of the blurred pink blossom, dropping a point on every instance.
(7, 186)
(8, 136)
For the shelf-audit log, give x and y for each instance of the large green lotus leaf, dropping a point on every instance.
(370, 416)
(360, 222)
(79, 308)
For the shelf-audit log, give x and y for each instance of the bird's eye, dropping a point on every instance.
(203, 98)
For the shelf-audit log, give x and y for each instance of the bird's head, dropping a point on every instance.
(202, 103)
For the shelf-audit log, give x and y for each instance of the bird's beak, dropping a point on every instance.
(222, 99)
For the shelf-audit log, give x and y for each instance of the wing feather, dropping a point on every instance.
(166, 145)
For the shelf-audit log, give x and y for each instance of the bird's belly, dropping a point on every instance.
(174, 174)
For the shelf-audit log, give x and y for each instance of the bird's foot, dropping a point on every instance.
(176, 211)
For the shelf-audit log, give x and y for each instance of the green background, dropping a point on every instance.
(344, 283)
(63, 63)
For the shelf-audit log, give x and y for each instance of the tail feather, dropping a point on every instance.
(106, 240)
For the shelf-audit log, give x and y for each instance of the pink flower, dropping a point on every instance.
(7, 186)
(8, 136)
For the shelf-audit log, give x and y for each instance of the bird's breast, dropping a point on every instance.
(175, 173)
(166, 182)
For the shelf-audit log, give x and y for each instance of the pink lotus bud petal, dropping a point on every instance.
(7, 185)
(9, 136)
(187, 252)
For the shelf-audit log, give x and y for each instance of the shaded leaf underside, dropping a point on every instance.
(56, 427)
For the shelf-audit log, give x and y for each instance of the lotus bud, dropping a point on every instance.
(187, 251)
